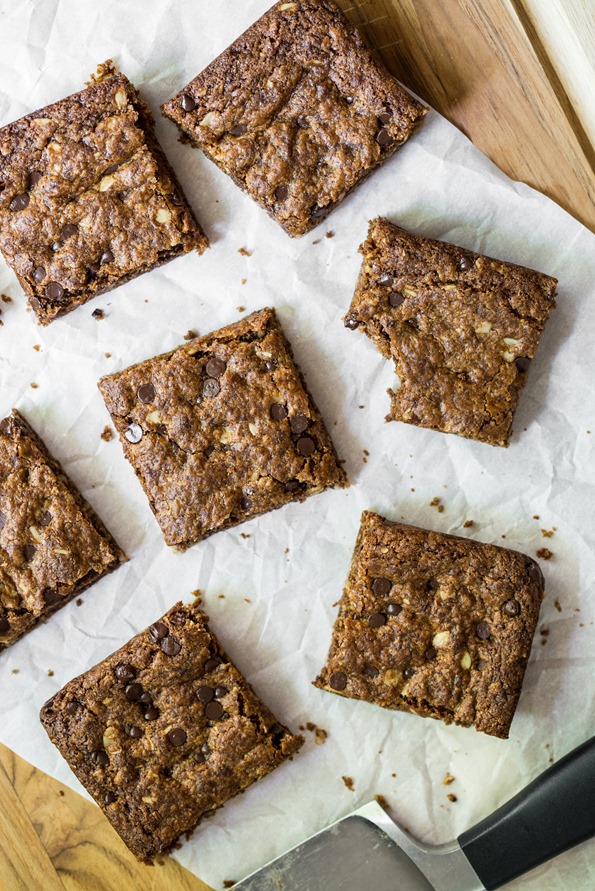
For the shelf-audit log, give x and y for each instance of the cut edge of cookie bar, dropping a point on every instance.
(388, 305)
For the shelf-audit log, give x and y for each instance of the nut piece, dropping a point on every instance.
(154, 417)
(252, 428)
(508, 357)
(484, 328)
(105, 183)
(205, 122)
(35, 534)
(110, 740)
(510, 341)
(466, 660)
(163, 215)
(285, 6)
(120, 98)
(441, 639)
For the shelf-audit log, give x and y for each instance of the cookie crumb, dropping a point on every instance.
(228, 883)
(221, 596)
(544, 553)
(79, 601)
(7, 299)
(361, 406)
(547, 533)
(240, 308)
(15, 671)
(98, 314)
(330, 234)
(190, 334)
(348, 783)
(248, 599)
(50, 673)
(60, 793)
(320, 736)
(244, 252)
(37, 347)
(448, 779)
(108, 355)
(34, 386)
(382, 802)
(468, 524)
(244, 280)
(317, 241)
(108, 433)
(245, 535)
(437, 503)
(452, 797)
(557, 605)
(535, 516)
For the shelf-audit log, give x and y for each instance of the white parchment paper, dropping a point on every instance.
(280, 584)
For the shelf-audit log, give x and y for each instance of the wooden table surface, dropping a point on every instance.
(516, 77)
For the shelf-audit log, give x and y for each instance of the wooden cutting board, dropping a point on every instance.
(516, 77)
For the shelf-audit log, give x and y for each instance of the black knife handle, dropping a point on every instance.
(553, 813)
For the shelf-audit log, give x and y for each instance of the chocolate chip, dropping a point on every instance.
(482, 629)
(54, 291)
(413, 323)
(146, 698)
(292, 485)
(29, 552)
(177, 737)
(72, 707)
(106, 257)
(383, 137)
(215, 367)
(431, 585)
(51, 596)
(465, 263)
(376, 620)
(522, 363)
(278, 411)
(306, 446)
(211, 387)
(209, 451)
(281, 193)
(158, 631)
(299, 423)
(33, 178)
(6, 426)
(145, 393)
(19, 202)
(187, 102)
(171, 646)
(351, 323)
(46, 519)
(382, 587)
(220, 692)
(125, 672)
(270, 365)
(512, 607)
(134, 433)
(430, 654)
(199, 757)
(68, 231)
(109, 798)
(245, 503)
(111, 169)
(133, 731)
(408, 672)
(385, 117)
(385, 279)
(214, 710)
(212, 664)
(100, 757)
(533, 570)
(177, 199)
(133, 692)
(205, 694)
(338, 680)
(238, 130)
(316, 212)
(4, 625)
(371, 671)
(151, 713)
(393, 609)
(395, 299)
(39, 274)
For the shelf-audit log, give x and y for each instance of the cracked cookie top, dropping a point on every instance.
(460, 327)
(221, 429)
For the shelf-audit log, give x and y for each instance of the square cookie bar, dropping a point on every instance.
(434, 624)
(87, 197)
(164, 731)
(221, 429)
(297, 111)
(52, 545)
(461, 329)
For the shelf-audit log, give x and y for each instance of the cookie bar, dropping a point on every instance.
(164, 731)
(52, 545)
(221, 429)
(87, 197)
(296, 111)
(461, 329)
(434, 624)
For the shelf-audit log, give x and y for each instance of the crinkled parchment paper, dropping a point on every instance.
(280, 582)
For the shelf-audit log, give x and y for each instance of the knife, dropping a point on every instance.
(367, 851)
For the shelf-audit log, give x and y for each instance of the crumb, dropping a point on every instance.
(588, 431)
(557, 605)
(437, 503)
(448, 779)
(248, 599)
(544, 553)
(197, 596)
(547, 533)
(361, 406)
(98, 314)
(535, 516)
(60, 793)
(382, 802)
(393, 775)
(79, 602)
(502, 536)
(468, 524)
(366, 452)
(244, 280)
(317, 241)
(221, 596)
(15, 671)
(451, 797)
(37, 347)
(240, 308)
(320, 736)
(50, 673)
(146, 301)
(349, 783)
(34, 386)
(190, 334)
(330, 234)
(1, 323)
(310, 725)
(244, 252)
(108, 355)
(7, 299)
(286, 551)
(245, 535)
(412, 489)
(108, 433)
(228, 883)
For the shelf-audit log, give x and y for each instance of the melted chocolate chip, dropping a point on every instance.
(351, 323)
(19, 202)
(171, 646)
(204, 694)
(281, 193)
(211, 387)
(177, 737)
(338, 680)
(51, 596)
(68, 231)
(371, 671)
(145, 393)
(306, 446)
(393, 609)
(376, 620)
(212, 664)
(39, 274)
(187, 102)
(72, 707)
(215, 367)
(158, 631)
(214, 710)
(395, 298)
(238, 130)
(134, 433)
(522, 363)
(29, 552)
(382, 587)
(482, 630)
(151, 713)
(512, 607)
(125, 672)
(54, 291)
(133, 692)
(278, 411)
(292, 485)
